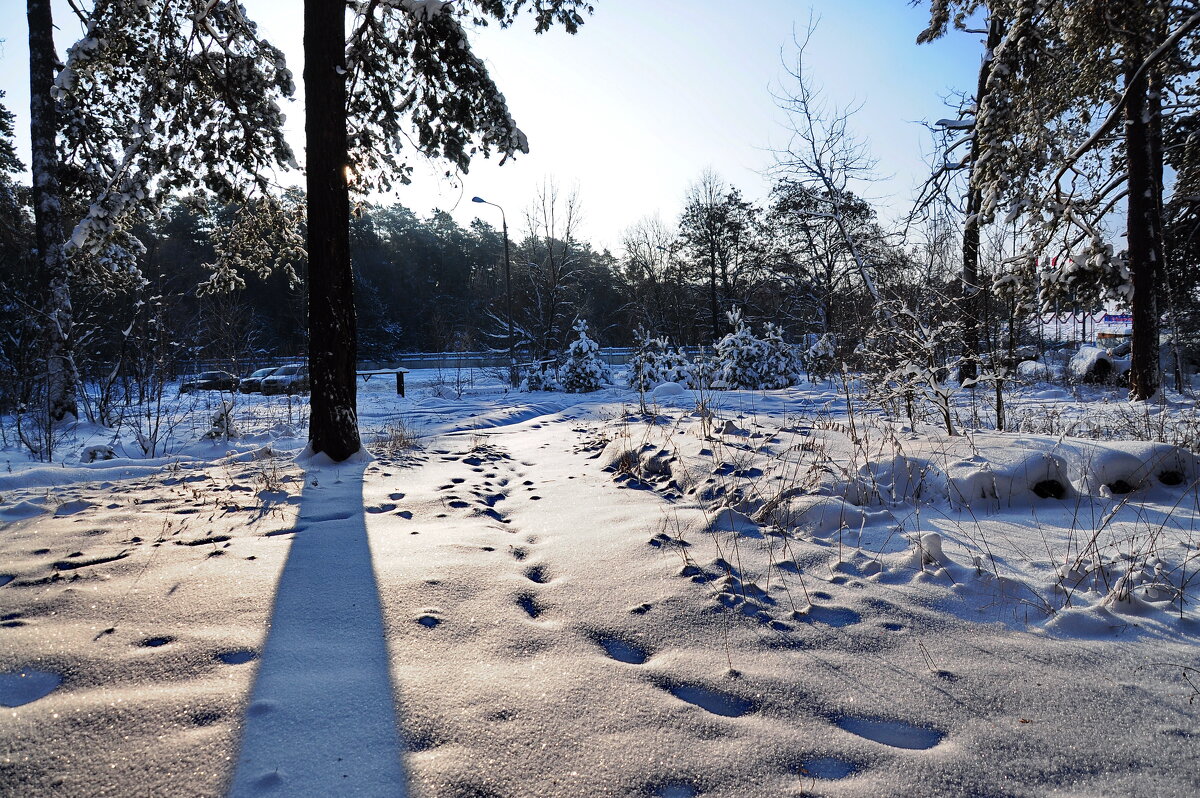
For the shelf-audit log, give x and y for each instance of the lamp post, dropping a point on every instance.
(512, 356)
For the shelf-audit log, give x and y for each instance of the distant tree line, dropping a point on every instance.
(430, 284)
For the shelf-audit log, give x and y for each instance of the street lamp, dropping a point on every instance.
(512, 356)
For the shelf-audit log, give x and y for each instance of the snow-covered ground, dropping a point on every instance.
(731, 594)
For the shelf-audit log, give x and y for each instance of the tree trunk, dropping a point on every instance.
(61, 377)
(971, 291)
(332, 336)
(1144, 233)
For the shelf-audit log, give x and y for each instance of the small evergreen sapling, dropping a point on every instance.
(782, 368)
(644, 364)
(583, 370)
(541, 376)
(820, 359)
(741, 358)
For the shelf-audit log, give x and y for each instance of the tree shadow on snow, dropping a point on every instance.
(322, 714)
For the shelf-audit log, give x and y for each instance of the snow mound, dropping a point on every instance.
(21, 510)
(668, 390)
(815, 515)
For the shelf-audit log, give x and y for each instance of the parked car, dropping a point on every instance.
(289, 379)
(209, 381)
(253, 383)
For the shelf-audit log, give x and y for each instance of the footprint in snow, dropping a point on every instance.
(518, 553)
(621, 650)
(395, 496)
(837, 617)
(529, 603)
(537, 573)
(675, 789)
(429, 619)
(21, 687)
(237, 657)
(156, 642)
(6, 578)
(458, 504)
(387, 507)
(714, 701)
(828, 767)
(895, 733)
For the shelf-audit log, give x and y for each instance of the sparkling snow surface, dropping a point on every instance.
(563, 595)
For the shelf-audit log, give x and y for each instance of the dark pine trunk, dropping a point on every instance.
(971, 291)
(47, 210)
(1145, 234)
(332, 336)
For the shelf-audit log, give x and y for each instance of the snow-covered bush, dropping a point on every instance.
(742, 358)
(223, 427)
(654, 361)
(820, 359)
(648, 351)
(674, 366)
(583, 370)
(783, 366)
(1037, 371)
(1091, 364)
(541, 376)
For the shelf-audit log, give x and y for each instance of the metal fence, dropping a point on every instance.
(612, 355)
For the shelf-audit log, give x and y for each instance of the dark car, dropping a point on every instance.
(253, 383)
(289, 379)
(209, 381)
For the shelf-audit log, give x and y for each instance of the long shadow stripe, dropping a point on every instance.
(322, 715)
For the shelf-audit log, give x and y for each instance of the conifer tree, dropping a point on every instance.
(583, 371)
(404, 73)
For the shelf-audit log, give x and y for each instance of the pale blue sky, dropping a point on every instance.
(649, 94)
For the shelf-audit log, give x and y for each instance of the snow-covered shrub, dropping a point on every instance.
(583, 370)
(783, 366)
(1091, 364)
(223, 425)
(654, 361)
(644, 371)
(820, 359)
(1037, 371)
(676, 367)
(541, 376)
(741, 359)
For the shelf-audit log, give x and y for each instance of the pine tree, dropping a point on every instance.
(583, 371)
(643, 366)
(61, 375)
(406, 73)
(741, 358)
(1066, 77)
(782, 367)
